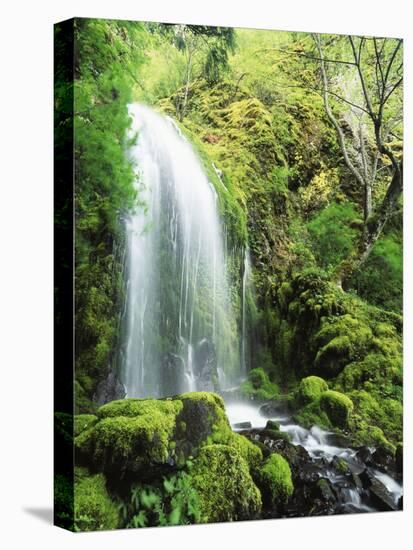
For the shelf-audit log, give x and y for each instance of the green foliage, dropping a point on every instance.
(64, 500)
(377, 422)
(310, 389)
(337, 406)
(133, 434)
(258, 386)
(274, 481)
(173, 502)
(83, 422)
(380, 280)
(339, 341)
(225, 488)
(94, 510)
(334, 232)
(312, 415)
(107, 53)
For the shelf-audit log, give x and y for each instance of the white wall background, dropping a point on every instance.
(26, 273)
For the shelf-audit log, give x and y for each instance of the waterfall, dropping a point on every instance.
(244, 331)
(179, 327)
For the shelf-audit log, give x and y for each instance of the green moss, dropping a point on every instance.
(337, 406)
(274, 481)
(385, 415)
(250, 452)
(258, 386)
(84, 422)
(225, 488)
(378, 374)
(94, 509)
(339, 341)
(310, 389)
(312, 415)
(132, 434)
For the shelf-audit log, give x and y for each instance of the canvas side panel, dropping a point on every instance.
(63, 274)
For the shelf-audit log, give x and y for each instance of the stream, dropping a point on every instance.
(362, 479)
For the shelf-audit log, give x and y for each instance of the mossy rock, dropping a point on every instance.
(377, 422)
(132, 435)
(259, 387)
(310, 389)
(312, 415)
(378, 374)
(275, 481)
(340, 341)
(226, 491)
(94, 510)
(337, 406)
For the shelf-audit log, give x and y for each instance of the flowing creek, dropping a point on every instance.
(366, 483)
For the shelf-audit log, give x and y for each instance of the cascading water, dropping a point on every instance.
(179, 324)
(244, 332)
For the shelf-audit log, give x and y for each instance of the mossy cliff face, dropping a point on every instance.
(157, 445)
(356, 348)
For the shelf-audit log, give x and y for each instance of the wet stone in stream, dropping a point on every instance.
(329, 476)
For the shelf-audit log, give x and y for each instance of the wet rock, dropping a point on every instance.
(400, 503)
(399, 459)
(275, 408)
(205, 366)
(364, 453)
(310, 474)
(357, 481)
(382, 460)
(380, 497)
(338, 440)
(324, 491)
(173, 374)
(272, 425)
(109, 389)
(242, 425)
(295, 455)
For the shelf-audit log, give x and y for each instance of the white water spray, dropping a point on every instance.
(177, 286)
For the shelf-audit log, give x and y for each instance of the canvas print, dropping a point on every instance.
(228, 274)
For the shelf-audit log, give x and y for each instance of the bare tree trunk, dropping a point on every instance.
(188, 80)
(373, 228)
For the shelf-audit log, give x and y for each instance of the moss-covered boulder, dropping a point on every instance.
(259, 387)
(339, 341)
(131, 435)
(310, 389)
(94, 510)
(226, 491)
(376, 422)
(274, 480)
(337, 406)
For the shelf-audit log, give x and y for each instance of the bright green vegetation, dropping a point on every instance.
(172, 502)
(258, 386)
(152, 439)
(94, 509)
(324, 328)
(226, 490)
(274, 480)
(310, 388)
(337, 406)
